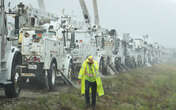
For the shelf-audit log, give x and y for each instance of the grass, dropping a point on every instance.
(149, 88)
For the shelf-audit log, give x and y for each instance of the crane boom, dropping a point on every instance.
(96, 15)
(41, 5)
(85, 11)
(3, 25)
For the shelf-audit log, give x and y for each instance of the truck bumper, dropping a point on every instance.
(31, 70)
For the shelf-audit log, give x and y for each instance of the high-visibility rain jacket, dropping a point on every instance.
(82, 75)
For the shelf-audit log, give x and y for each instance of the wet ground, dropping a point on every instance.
(148, 88)
(32, 91)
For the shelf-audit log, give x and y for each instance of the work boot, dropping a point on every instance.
(87, 106)
(93, 107)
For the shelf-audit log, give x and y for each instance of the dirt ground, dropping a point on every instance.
(148, 88)
(31, 92)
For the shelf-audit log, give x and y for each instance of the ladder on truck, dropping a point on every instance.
(68, 81)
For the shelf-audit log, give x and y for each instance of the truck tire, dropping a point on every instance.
(43, 82)
(52, 76)
(13, 90)
(72, 76)
(118, 64)
(127, 62)
(103, 67)
(70, 71)
(133, 62)
(139, 61)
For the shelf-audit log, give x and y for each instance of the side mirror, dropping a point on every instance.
(12, 38)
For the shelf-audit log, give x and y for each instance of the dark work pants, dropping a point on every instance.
(93, 87)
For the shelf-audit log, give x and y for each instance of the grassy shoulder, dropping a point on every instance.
(149, 88)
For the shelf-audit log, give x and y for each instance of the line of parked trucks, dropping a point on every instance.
(46, 47)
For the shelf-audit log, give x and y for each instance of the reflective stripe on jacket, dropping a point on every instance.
(82, 75)
(90, 73)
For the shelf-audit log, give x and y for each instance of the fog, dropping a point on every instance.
(157, 18)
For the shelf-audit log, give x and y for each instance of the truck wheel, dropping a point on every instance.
(117, 64)
(103, 67)
(70, 71)
(52, 76)
(139, 60)
(127, 62)
(43, 82)
(71, 74)
(13, 90)
(133, 62)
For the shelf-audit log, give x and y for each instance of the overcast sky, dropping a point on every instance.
(138, 17)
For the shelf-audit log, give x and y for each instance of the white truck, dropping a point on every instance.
(45, 50)
(10, 56)
(44, 56)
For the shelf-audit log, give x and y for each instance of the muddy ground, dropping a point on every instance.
(148, 88)
(31, 92)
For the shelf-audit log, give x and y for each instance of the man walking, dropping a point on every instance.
(90, 81)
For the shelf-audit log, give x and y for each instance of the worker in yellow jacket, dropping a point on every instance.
(89, 77)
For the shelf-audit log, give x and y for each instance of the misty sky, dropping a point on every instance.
(138, 17)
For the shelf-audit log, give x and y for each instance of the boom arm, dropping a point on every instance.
(96, 15)
(30, 15)
(85, 11)
(41, 5)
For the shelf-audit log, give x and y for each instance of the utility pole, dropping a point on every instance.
(3, 28)
(1, 3)
(0, 32)
(2, 19)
